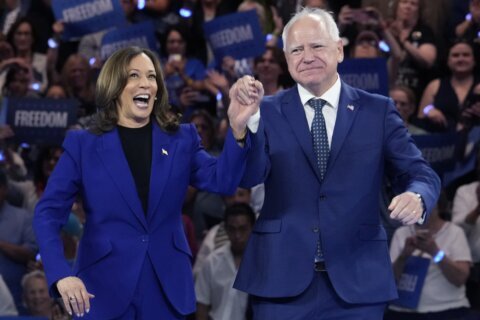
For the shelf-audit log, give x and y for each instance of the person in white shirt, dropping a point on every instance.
(216, 298)
(465, 213)
(217, 236)
(443, 294)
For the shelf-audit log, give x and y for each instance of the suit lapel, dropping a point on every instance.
(293, 110)
(163, 153)
(110, 150)
(348, 109)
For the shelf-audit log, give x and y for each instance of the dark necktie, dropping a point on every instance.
(321, 150)
(319, 135)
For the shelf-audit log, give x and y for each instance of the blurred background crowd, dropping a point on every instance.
(432, 54)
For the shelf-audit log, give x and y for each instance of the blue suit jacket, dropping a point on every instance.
(369, 140)
(117, 235)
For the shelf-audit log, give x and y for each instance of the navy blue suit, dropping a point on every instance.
(369, 141)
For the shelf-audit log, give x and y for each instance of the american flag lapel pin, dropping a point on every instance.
(350, 107)
(164, 152)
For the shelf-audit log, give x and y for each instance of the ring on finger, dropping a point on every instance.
(71, 298)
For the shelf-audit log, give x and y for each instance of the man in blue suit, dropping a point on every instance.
(322, 148)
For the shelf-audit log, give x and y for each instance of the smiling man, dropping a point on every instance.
(322, 148)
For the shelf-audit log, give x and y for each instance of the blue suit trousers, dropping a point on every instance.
(318, 302)
(149, 301)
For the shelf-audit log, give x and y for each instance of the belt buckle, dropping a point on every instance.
(319, 266)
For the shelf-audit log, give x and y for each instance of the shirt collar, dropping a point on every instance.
(332, 95)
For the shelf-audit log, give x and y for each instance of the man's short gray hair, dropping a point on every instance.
(324, 17)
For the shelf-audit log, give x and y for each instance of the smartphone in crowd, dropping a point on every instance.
(175, 57)
(422, 233)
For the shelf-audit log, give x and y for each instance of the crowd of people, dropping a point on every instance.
(433, 63)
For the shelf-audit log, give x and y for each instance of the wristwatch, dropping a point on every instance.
(243, 139)
(424, 213)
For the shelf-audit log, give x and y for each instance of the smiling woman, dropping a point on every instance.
(137, 98)
(132, 169)
(22, 36)
(139, 74)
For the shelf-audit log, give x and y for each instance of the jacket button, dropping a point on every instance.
(144, 238)
(315, 229)
(322, 197)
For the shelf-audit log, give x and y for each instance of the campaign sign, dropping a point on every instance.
(237, 35)
(439, 150)
(82, 17)
(469, 157)
(411, 282)
(367, 74)
(139, 34)
(40, 121)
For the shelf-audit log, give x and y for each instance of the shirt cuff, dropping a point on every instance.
(424, 213)
(253, 122)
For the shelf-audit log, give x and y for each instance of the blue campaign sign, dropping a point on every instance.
(237, 35)
(82, 17)
(411, 282)
(439, 150)
(40, 121)
(367, 74)
(468, 160)
(139, 34)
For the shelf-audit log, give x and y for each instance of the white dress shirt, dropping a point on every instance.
(332, 96)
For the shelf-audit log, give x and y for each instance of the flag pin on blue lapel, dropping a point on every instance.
(165, 152)
(350, 107)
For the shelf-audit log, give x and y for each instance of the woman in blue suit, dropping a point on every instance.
(132, 169)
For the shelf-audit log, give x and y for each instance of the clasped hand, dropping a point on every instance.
(245, 97)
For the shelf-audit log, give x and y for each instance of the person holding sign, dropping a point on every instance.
(445, 247)
(132, 168)
(318, 249)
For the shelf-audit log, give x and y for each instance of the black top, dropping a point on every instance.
(410, 73)
(446, 100)
(137, 146)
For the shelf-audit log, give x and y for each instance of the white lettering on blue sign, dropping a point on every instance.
(41, 119)
(110, 48)
(407, 282)
(438, 154)
(87, 10)
(231, 36)
(365, 81)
